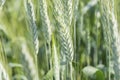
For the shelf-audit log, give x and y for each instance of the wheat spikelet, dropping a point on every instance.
(32, 24)
(45, 20)
(113, 35)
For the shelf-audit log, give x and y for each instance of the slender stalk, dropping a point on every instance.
(88, 47)
(97, 27)
(76, 4)
(56, 60)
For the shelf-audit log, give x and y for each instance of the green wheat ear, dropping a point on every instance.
(32, 24)
(46, 26)
(111, 33)
(64, 28)
(47, 31)
(31, 58)
(63, 16)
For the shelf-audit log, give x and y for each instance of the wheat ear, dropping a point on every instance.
(45, 20)
(65, 38)
(32, 24)
(46, 27)
(110, 27)
(33, 29)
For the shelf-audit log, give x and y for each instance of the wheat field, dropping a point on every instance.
(59, 40)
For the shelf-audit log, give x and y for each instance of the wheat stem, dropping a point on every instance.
(56, 60)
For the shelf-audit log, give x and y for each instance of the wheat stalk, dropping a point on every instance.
(76, 6)
(56, 60)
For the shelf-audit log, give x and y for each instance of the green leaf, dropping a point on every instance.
(49, 75)
(93, 73)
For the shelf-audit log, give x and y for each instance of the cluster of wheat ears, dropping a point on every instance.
(59, 40)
